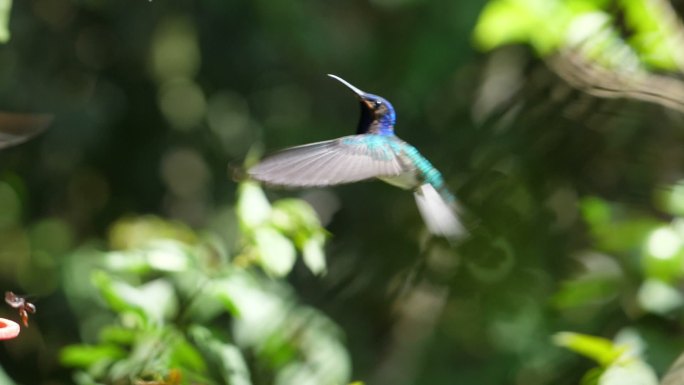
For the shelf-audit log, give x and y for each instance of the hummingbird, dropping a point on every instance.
(374, 152)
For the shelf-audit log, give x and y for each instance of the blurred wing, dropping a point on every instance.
(344, 160)
(17, 128)
(439, 216)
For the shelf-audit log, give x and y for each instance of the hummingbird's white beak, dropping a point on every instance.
(357, 91)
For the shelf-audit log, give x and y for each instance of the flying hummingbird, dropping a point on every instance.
(374, 152)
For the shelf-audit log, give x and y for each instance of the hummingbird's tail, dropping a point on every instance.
(439, 214)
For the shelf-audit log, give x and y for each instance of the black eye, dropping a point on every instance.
(378, 103)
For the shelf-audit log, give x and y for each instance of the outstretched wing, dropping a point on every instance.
(439, 215)
(16, 128)
(344, 160)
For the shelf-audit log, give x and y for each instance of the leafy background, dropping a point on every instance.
(151, 261)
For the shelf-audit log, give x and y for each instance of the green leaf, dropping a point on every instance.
(586, 290)
(294, 215)
(225, 360)
(5, 10)
(185, 355)
(105, 284)
(167, 255)
(84, 378)
(541, 23)
(5, 379)
(84, 356)
(599, 349)
(277, 254)
(133, 261)
(654, 36)
(314, 256)
(592, 376)
(596, 211)
(135, 232)
(658, 297)
(663, 254)
(253, 209)
(671, 199)
(632, 372)
(117, 335)
(155, 300)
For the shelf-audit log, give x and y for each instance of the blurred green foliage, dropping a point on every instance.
(593, 26)
(621, 361)
(191, 307)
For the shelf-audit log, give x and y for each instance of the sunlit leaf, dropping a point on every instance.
(218, 291)
(654, 36)
(253, 209)
(519, 21)
(599, 349)
(5, 10)
(133, 261)
(671, 199)
(167, 255)
(293, 214)
(155, 300)
(590, 25)
(663, 255)
(313, 254)
(632, 372)
(276, 253)
(658, 297)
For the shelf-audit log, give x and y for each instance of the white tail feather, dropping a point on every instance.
(440, 217)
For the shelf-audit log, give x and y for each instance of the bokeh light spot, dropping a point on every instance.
(185, 172)
(10, 205)
(229, 118)
(664, 243)
(175, 53)
(183, 104)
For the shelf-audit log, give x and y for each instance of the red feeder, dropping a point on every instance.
(8, 329)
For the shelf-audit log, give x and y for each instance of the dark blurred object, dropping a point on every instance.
(17, 128)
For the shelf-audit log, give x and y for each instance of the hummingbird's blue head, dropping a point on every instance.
(377, 114)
